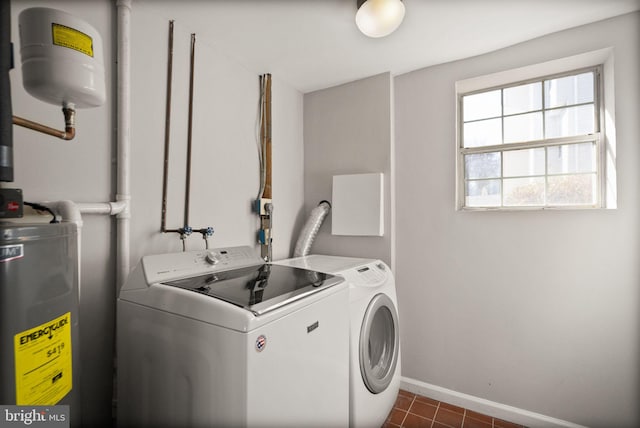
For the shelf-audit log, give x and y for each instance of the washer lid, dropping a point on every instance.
(259, 288)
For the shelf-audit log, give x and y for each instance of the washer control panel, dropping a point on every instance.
(371, 274)
(164, 267)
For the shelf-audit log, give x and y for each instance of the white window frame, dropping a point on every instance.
(531, 74)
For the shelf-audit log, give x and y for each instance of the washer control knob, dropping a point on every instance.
(211, 258)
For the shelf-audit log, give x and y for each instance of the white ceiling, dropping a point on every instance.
(314, 44)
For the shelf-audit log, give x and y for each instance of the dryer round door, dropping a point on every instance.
(379, 343)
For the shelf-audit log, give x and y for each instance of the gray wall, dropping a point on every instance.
(225, 169)
(348, 130)
(538, 309)
(225, 164)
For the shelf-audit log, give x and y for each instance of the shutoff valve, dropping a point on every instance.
(185, 232)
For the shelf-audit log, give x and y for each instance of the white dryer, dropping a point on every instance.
(374, 378)
(219, 338)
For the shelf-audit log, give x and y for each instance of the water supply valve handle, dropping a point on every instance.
(185, 232)
(208, 231)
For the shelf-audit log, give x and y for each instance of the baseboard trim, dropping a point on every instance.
(487, 407)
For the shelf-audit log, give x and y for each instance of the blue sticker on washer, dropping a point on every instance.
(261, 343)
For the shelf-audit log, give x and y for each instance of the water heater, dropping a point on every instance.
(39, 334)
(62, 58)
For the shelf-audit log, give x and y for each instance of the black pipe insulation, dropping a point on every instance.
(6, 114)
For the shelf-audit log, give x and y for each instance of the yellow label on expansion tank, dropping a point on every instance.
(71, 38)
(43, 362)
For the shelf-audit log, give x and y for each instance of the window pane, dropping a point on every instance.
(579, 189)
(482, 133)
(570, 90)
(523, 98)
(541, 134)
(522, 192)
(571, 158)
(523, 127)
(481, 106)
(566, 122)
(520, 163)
(482, 165)
(483, 193)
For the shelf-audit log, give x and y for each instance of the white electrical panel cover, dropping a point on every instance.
(357, 205)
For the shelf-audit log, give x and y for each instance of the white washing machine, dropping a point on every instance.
(219, 338)
(374, 378)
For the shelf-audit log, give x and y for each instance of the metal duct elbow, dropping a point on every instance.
(310, 229)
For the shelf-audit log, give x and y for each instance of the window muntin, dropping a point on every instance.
(532, 144)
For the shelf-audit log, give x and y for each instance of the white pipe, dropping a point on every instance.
(123, 194)
(71, 211)
(67, 210)
(109, 208)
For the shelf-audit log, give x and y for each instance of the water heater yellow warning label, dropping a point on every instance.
(43, 362)
(71, 38)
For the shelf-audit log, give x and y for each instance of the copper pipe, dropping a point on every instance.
(267, 136)
(167, 131)
(187, 195)
(184, 231)
(69, 125)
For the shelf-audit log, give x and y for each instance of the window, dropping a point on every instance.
(532, 144)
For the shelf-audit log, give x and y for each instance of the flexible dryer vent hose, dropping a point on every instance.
(310, 229)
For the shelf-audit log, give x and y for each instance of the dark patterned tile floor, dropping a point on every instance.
(415, 411)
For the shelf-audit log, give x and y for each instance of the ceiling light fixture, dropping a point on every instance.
(379, 18)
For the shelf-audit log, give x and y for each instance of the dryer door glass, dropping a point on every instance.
(379, 343)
